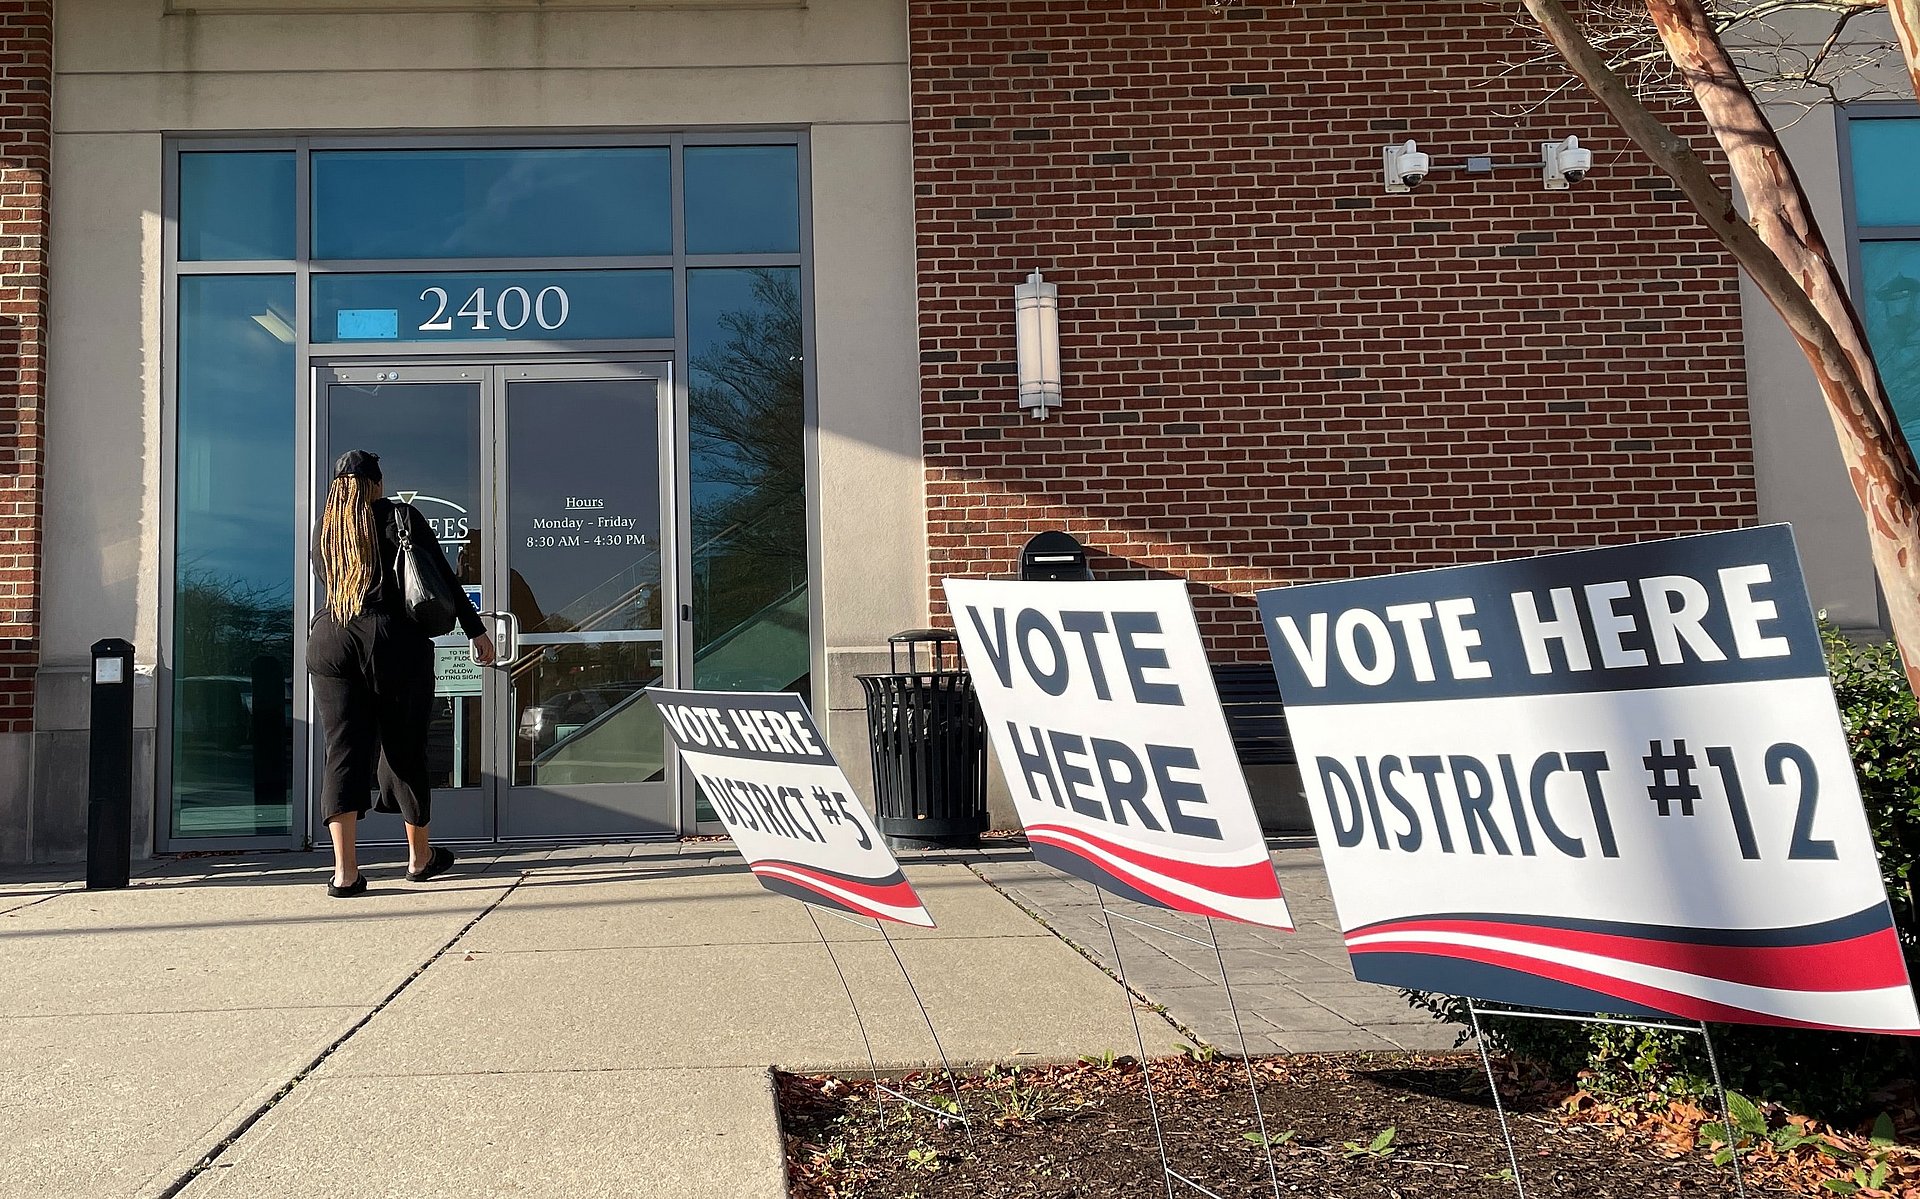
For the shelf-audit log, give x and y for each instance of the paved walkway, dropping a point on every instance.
(578, 1022)
(1295, 992)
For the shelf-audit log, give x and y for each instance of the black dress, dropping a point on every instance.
(373, 684)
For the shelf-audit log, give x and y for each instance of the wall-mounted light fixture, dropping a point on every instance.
(1036, 314)
(1405, 166)
(1563, 164)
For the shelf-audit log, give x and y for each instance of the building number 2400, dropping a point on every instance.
(510, 309)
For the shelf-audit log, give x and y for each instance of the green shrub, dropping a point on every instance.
(1877, 709)
(1826, 1074)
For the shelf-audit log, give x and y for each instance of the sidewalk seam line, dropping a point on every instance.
(1158, 1008)
(34, 903)
(185, 1180)
(182, 1011)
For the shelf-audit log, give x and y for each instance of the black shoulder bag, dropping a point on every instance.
(424, 588)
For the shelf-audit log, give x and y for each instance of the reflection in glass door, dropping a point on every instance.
(570, 463)
(584, 558)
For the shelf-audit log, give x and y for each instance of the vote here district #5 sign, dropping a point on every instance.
(767, 772)
(1608, 781)
(1103, 714)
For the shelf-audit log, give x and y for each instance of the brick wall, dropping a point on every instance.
(1275, 371)
(26, 92)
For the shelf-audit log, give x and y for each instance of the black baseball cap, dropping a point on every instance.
(363, 464)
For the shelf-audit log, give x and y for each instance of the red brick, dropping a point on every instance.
(26, 50)
(1401, 393)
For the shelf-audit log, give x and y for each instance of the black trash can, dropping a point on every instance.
(929, 745)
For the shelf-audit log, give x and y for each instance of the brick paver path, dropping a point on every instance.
(1295, 992)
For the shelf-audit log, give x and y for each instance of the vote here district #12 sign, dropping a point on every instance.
(1609, 781)
(773, 782)
(1103, 713)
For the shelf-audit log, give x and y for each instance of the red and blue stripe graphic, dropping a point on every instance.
(1246, 890)
(888, 898)
(1843, 974)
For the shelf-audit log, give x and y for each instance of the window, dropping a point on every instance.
(743, 200)
(1886, 210)
(494, 306)
(526, 203)
(746, 425)
(236, 206)
(234, 552)
(455, 249)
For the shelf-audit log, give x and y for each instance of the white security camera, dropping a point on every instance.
(1406, 167)
(1563, 164)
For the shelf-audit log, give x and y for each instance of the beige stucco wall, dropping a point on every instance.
(128, 74)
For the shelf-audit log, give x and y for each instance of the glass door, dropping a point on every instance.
(587, 577)
(573, 465)
(429, 425)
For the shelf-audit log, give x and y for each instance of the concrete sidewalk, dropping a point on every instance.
(576, 1022)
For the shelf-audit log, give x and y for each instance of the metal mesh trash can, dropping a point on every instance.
(929, 746)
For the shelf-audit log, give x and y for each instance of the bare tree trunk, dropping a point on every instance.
(1783, 252)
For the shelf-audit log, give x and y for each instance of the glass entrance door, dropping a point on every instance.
(551, 488)
(430, 426)
(583, 506)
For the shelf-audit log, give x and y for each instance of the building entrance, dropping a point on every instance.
(586, 358)
(552, 489)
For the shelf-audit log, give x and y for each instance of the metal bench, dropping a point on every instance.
(1250, 697)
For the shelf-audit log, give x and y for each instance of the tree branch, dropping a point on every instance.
(1769, 58)
(1784, 254)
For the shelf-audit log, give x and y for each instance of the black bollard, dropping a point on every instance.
(110, 766)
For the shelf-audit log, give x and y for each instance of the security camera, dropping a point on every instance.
(1406, 167)
(1563, 164)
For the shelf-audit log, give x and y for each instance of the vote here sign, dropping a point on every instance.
(1607, 781)
(766, 770)
(1103, 714)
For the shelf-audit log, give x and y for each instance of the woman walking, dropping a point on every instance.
(372, 669)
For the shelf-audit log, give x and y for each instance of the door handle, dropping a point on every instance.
(511, 624)
(507, 651)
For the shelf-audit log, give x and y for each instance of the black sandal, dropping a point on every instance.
(357, 887)
(439, 863)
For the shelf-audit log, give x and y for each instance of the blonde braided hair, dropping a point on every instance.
(349, 546)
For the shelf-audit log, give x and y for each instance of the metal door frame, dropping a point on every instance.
(491, 372)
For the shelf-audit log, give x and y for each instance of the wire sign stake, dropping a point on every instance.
(1146, 1070)
(1697, 1028)
(1104, 716)
(1108, 915)
(946, 1066)
(766, 769)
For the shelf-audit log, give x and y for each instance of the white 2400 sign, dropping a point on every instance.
(511, 308)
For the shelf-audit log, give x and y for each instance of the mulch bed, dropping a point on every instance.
(1084, 1131)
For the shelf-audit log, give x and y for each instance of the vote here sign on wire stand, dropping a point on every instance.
(767, 771)
(1102, 710)
(1607, 781)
